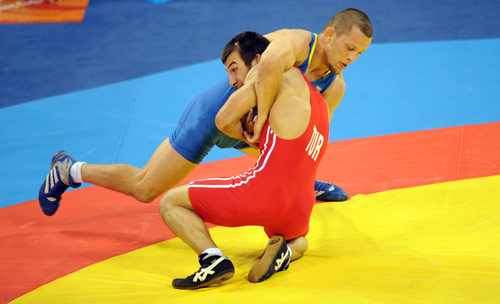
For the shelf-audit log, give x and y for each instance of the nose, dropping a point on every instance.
(351, 56)
(233, 81)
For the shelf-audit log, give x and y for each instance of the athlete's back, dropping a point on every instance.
(289, 115)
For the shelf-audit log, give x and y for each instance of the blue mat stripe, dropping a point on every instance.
(393, 88)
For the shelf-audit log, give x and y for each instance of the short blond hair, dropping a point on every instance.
(345, 20)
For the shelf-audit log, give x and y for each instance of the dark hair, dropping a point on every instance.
(249, 44)
(345, 20)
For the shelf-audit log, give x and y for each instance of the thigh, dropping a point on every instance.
(178, 196)
(195, 133)
(255, 153)
(234, 201)
(219, 202)
(166, 168)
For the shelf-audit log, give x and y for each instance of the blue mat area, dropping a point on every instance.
(112, 88)
(122, 40)
(126, 121)
(406, 87)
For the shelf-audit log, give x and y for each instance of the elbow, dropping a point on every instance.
(273, 64)
(268, 64)
(221, 122)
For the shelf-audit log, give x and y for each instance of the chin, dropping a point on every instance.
(334, 70)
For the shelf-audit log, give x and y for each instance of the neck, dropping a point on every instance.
(317, 69)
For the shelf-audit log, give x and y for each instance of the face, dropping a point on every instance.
(236, 68)
(344, 49)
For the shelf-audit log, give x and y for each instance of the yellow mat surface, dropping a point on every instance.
(430, 244)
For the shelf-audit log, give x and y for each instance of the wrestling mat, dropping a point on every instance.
(427, 244)
(415, 143)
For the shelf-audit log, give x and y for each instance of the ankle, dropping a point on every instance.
(76, 172)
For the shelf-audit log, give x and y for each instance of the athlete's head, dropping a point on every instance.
(346, 36)
(241, 53)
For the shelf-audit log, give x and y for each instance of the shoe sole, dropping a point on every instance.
(335, 199)
(264, 268)
(223, 277)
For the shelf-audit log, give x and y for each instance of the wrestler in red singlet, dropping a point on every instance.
(278, 193)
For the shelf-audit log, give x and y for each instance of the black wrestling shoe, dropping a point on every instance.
(214, 269)
(275, 258)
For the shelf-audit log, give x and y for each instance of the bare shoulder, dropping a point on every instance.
(290, 113)
(339, 82)
(337, 87)
(294, 82)
(292, 34)
(295, 39)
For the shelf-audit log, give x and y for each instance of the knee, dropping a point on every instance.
(146, 193)
(166, 203)
(174, 199)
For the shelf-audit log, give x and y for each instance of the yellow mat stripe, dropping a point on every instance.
(430, 244)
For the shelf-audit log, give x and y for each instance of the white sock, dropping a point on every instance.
(213, 251)
(76, 172)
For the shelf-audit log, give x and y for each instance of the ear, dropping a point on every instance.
(256, 59)
(330, 31)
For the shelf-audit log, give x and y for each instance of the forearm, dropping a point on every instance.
(268, 80)
(232, 129)
(228, 119)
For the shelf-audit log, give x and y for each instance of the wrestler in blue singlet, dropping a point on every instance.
(196, 133)
(193, 138)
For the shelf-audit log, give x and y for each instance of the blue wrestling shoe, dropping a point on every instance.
(327, 192)
(57, 181)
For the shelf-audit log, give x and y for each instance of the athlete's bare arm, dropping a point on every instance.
(228, 119)
(334, 94)
(291, 110)
(288, 47)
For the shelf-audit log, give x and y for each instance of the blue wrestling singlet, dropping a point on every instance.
(196, 133)
(321, 84)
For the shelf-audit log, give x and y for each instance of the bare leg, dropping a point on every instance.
(165, 169)
(298, 247)
(253, 152)
(178, 214)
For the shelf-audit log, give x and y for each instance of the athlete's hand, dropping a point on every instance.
(250, 143)
(248, 122)
(257, 130)
(252, 137)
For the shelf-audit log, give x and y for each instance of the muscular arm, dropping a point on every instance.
(228, 119)
(333, 95)
(287, 48)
